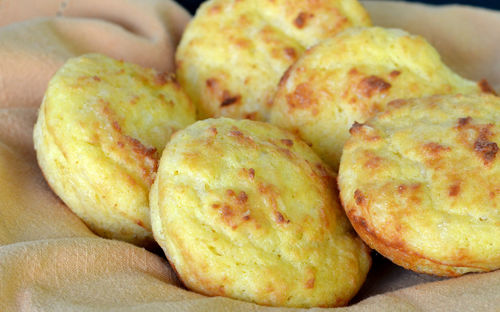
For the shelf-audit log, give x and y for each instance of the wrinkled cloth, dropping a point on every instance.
(49, 259)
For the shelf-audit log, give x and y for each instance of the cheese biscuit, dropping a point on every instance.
(98, 137)
(352, 76)
(233, 52)
(420, 183)
(246, 210)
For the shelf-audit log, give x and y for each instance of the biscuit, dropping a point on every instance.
(100, 129)
(420, 183)
(233, 53)
(354, 75)
(245, 210)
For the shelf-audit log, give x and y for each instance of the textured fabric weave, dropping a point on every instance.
(50, 261)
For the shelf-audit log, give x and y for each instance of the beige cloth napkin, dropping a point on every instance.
(50, 261)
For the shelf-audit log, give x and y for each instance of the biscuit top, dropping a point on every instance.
(351, 77)
(423, 178)
(246, 210)
(101, 129)
(233, 53)
(122, 109)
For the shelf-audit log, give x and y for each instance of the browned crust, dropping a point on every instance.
(228, 99)
(398, 252)
(285, 76)
(149, 155)
(287, 142)
(462, 122)
(241, 137)
(301, 20)
(483, 147)
(393, 74)
(310, 283)
(302, 97)
(370, 85)
(397, 103)
(363, 131)
(485, 87)
(291, 53)
(355, 128)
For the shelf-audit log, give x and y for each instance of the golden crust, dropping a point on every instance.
(233, 53)
(246, 210)
(98, 135)
(354, 75)
(420, 183)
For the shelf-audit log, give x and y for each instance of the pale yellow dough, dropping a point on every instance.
(246, 210)
(352, 76)
(234, 52)
(421, 183)
(100, 131)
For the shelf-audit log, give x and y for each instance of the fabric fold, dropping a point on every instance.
(50, 260)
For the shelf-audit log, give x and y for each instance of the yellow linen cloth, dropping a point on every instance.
(50, 261)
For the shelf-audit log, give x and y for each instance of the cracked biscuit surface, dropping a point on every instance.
(351, 77)
(233, 52)
(100, 131)
(420, 183)
(246, 210)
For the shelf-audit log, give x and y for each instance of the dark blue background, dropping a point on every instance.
(191, 5)
(491, 4)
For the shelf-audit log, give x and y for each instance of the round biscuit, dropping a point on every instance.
(99, 132)
(233, 52)
(420, 183)
(246, 210)
(352, 76)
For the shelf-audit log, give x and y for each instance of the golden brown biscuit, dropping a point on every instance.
(233, 53)
(245, 210)
(421, 183)
(98, 136)
(354, 75)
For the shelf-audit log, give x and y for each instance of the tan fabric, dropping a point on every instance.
(50, 261)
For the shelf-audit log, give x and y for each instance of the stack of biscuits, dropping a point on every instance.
(293, 137)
